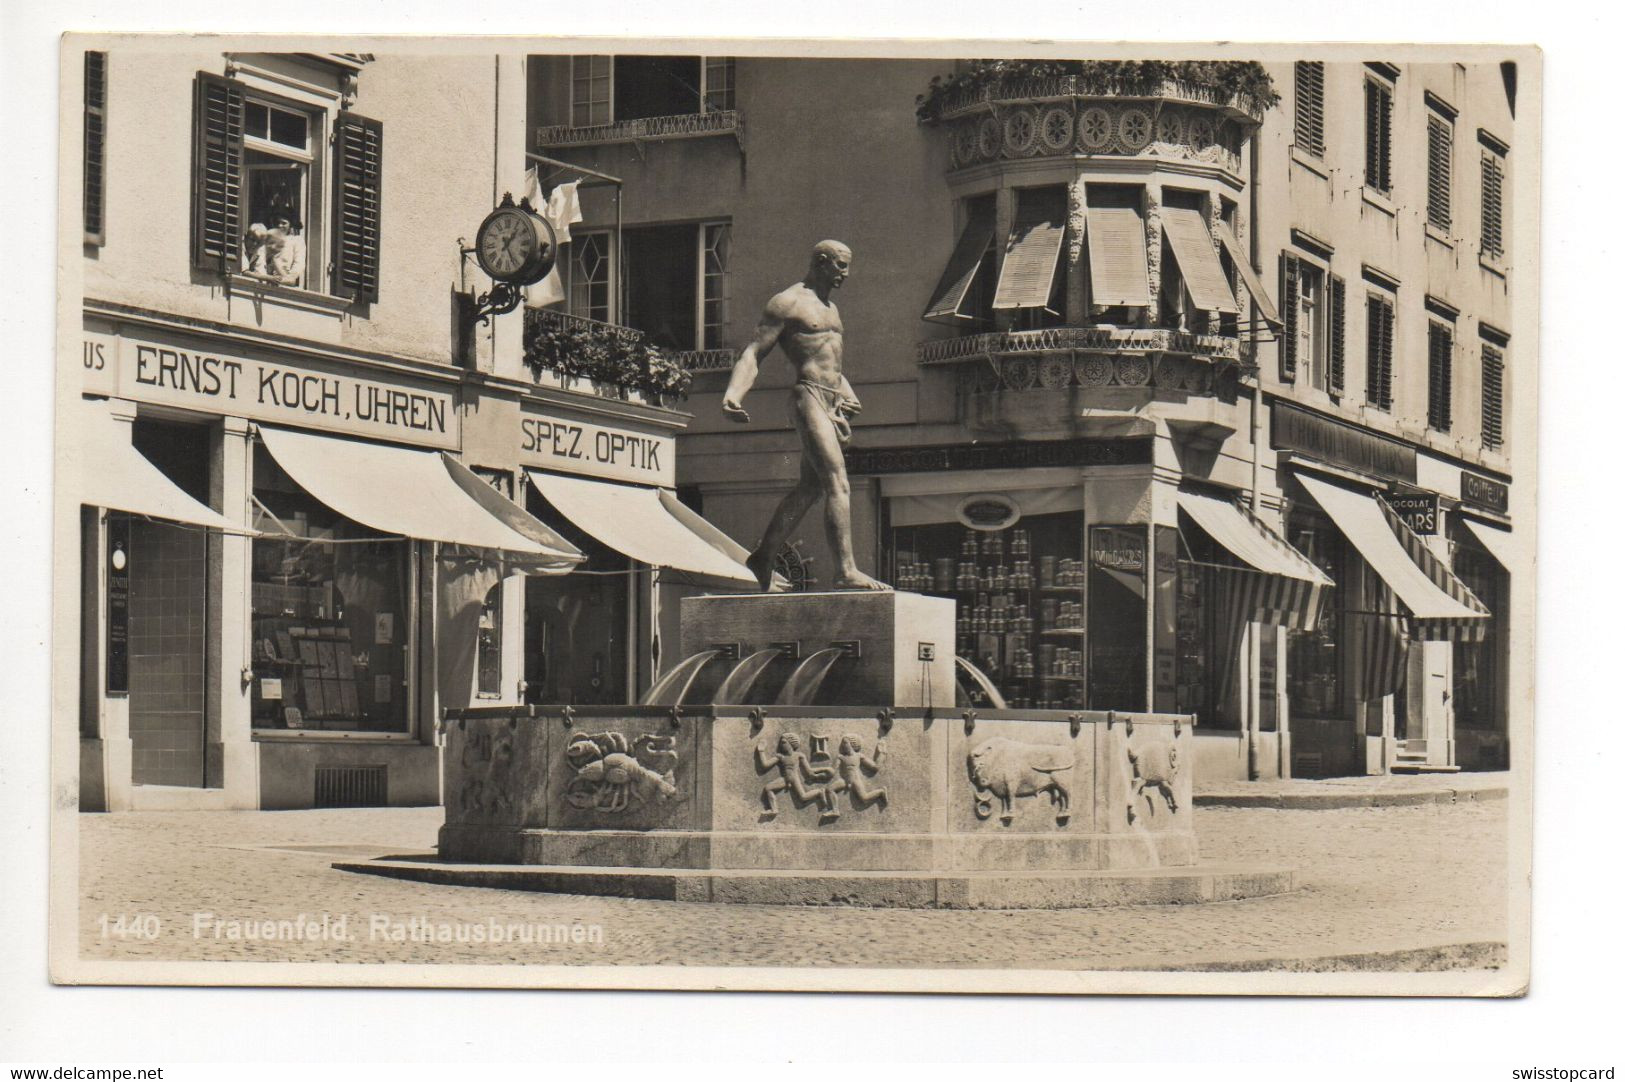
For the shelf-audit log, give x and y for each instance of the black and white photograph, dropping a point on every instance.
(722, 515)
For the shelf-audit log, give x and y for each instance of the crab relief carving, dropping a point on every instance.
(612, 774)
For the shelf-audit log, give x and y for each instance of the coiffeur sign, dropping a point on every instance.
(307, 394)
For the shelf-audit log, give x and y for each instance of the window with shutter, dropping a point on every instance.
(1379, 108)
(1493, 434)
(1379, 351)
(1119, 273)
(1439, 349)
(1493, 172)
(1440, 140)
(95, 145)
(1027, 275)
(1334, 364)
(1309, 106)
(972, 259)
(217, 168)
(358, 149)
(1289, 317)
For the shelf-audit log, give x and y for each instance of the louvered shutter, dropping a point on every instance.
(948, 301)
(95, 144)
(1118, 270)
(1439, 345)
(1491, 232)
(1027, 274)
(1192, 245)
(1439, 152)
(1379, 329)
(1334, 371)
(1387, 354)
(1378, 132)
(1309, 108)
(217, 172)
(1494, 397)
(358, 152)
(1289, 317)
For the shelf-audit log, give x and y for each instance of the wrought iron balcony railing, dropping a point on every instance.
(612, 355)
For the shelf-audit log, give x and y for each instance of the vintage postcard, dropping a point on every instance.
(866, 516)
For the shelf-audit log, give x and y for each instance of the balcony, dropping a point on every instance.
(611, 360)
(680, 126)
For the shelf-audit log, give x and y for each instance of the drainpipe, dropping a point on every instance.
(1256, 653)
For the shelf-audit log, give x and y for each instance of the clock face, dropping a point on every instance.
(506, 243)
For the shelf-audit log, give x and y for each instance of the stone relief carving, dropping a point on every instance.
(1005, 770)
(1152, 765)
(813, 776)
(612, 774)
(486, 759)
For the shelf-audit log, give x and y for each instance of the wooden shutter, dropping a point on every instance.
(1249, 277)
(1334, 369)
(1439, 347)
(1378, 121)
(1493, 434)
(1493, 172)
(1439, 152)
(1379, 351)
(948, 301)
(1309, 106)
(1289, 317)
(217, 172)
(1387, 354)
(95, 145)
(1118, 270)
(1027, 274)
(358, 152)
(1205, 280)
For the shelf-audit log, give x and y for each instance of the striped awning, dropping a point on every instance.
(1438, 605)
(1198, 261)
(1278, 584)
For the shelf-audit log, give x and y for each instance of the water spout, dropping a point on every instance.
(735, 687)
(979, 678)
(670, 689)
(804, 683)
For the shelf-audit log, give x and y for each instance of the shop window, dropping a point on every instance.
(1379, 350)
(677, 284)
(1492, 179)
(577, 626)
(606, 89)
(95, 126)
(591, 267)
(1441, 346)
(1314, 672)
(1379, 115)
(268, 173)
(1441, 148)
(1020, 592)
(1309, 106)
(1117, 616)
(488, 643)
(332, 615)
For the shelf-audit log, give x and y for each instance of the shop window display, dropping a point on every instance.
(577, 625)
(1476, 666)
(1117, 630)
(331, 622)
(1315, 658)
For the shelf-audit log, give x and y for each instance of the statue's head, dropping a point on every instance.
(831, 261)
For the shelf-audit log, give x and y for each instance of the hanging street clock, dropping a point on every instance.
(516, 247)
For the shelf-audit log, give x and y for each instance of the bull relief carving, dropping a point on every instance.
(813, 776)
(1153, 765)
(1005, 770)
(612, 774)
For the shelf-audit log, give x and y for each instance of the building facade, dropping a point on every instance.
(1107, 322)
(311, 493)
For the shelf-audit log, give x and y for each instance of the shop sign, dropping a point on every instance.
(570, 446)
(1484, 493)
(988, 512)
(118, 604)
(1340, 444)
(305, 395)
(1013, 455)
(1118, 548)
(1419, 511)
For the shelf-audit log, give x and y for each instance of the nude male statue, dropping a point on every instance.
(805, 323)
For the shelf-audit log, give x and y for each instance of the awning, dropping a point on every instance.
(1283, 586)
(1118, 272)
(1249, 277)
(396, 490)
(948, 301)
(118, 477)
(1187, 235)
(510, 514)
(1497, 542)
(1439, 604)
(1027, 275)
(647, 524)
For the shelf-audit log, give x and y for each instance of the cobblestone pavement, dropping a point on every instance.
(1373, 879)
